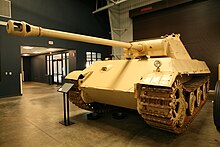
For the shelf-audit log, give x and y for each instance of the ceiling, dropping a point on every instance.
(34, 51)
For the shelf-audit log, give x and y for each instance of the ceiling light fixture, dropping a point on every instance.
(36, 52)
(27, 47)
(25, 54)
(52, 49)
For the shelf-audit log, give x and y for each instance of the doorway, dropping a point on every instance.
(57, 71)
(57, 67)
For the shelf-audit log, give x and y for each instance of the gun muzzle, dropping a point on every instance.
(21, 28)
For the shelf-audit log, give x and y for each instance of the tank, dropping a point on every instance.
(156, 77)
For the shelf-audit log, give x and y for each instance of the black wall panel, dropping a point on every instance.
(38, 69)
(27, 68)
(198, 23)
(66, 15)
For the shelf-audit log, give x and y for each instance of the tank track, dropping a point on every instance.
(75, 97)
(173, 109)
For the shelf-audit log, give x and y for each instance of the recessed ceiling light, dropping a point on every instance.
(25, 54)
(28, 47)
(36, 52)
(52, 49)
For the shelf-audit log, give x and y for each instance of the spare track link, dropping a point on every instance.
(75, 97)
(155, 104)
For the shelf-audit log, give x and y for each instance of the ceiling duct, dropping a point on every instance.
(5, 8)
(110, 4)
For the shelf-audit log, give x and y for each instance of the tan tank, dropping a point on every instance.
(156, 77)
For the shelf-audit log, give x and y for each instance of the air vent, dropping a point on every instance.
(5, 8)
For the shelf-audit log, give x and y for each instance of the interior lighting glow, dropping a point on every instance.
(36, 52)
(27, 47)
(26, 54)
(51, 49)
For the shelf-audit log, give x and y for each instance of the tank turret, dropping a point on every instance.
(156, 77)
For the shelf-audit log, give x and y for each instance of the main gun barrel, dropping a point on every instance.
(22, 28)
(168, 46)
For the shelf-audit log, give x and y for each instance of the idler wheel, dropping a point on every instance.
(216, 106)
(198, 96)
(192, 99)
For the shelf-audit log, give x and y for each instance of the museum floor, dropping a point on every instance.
(33, 120)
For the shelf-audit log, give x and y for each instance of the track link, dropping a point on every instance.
(166, 108)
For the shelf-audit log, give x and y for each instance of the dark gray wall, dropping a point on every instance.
(10, 62)
(27, 68)
(66, 15)
(199, 26)
(38, 69)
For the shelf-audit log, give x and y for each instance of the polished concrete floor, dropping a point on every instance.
(33, 120)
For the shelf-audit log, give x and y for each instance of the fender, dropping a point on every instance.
(74, 75)
(162, 78)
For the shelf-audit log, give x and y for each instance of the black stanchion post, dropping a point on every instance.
(64, 108)
(68, 117)
(65, 89)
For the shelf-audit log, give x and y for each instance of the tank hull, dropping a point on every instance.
(110, 97)
(113, 82)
